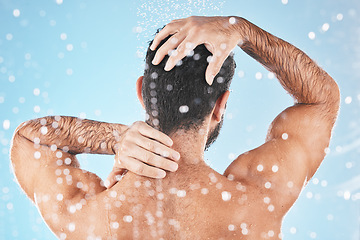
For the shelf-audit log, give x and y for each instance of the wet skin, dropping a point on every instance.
(192, 202)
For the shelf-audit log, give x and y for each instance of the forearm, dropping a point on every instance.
(72, 134)
(296, 72)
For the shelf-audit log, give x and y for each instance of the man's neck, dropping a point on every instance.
(190, 145)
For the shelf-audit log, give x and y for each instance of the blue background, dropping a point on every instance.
(82, 58)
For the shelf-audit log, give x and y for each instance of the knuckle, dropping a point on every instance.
(139, 169)
(137, 124)
(149, 158)
(150, 146)
(125, 146)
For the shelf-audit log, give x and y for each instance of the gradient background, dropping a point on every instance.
(82, 58)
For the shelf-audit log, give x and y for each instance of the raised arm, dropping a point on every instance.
(298, 137)
(52, 138)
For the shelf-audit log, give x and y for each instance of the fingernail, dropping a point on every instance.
(161, 174)
(152, 47)
(176, 156)
(174, 167)
(210, 79)
(167, 66)
(155, 60)
(107, 183)
(170, 143)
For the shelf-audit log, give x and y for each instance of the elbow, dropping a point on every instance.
(334, 96)
(336, 93)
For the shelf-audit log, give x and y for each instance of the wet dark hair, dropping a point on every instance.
(181, 98)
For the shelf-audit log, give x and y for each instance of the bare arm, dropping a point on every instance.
(68, 136)
(73, 135)
(306, 127)
(297, 138)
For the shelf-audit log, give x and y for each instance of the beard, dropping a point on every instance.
(214, 134)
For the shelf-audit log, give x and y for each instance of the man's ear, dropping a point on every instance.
(139, 89)
(220, 105)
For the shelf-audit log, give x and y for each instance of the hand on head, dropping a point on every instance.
(192, 31)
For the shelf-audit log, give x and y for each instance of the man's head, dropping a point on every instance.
(181, 98)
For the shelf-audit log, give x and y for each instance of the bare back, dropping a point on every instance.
(201, 204)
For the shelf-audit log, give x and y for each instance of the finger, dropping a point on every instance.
(152, 159)
(141, 168)
(113, 177)
(167, 48)
(156, 147)
(166, 31)
(215, 65)
(184, 48)
(147, 131)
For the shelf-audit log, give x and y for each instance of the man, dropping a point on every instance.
(190, 200)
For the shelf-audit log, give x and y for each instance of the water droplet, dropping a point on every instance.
(258, 75)
(232, 20)
(309, 195)
(59, 197)
(275, 168)
(325, 27)
(37, 155)
(220, 79)
(204, 191)
(196, 56)
(16, 12)
(260, 167)
(231, 227)
(154, 75)
(266, 200)
(69, 47)
(226, 196)
(127, 218)
(69, 72)
(348, 100)
(6, 124)
(63, 36)
(339, 17)
(183, 109)
(268, 185)
(9, 36)
(67, 161)
(347, 195)
(9, 206)
(312, 35)
(181, 193)
(271, 208)
(315, 181)
(285, 136)
(115, 225)
(11, 78)
(270, 75)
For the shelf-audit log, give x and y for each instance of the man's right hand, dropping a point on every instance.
(220, 35)
(143, 150)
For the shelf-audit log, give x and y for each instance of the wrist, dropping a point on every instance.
(117, 131)
(239, 28)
